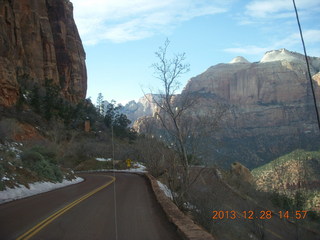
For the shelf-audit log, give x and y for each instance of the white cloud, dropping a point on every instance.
(309, 36)
(276, 21)
(291, 41)
(261, 9)
(248, 50)
(279, 8)
(312, 36)
(125, 20)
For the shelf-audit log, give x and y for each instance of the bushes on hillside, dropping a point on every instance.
(48, 102)
(2, 172)
(42, 165)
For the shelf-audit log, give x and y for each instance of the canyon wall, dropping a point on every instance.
(269, 107)
(39, 40)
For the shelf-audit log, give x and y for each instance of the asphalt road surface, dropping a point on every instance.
(88, 211)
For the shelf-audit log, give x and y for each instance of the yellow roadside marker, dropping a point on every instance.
(128, 162)
(47, 221)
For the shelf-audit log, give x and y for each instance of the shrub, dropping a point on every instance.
(42, 166)
(314, 216)
(29, 158)
(46, 170)
(2, 171)
(47, 153)
(9, 127)
(282, 201)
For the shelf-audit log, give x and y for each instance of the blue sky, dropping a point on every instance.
(121, 36)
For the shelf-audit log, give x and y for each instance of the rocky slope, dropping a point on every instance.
(271, 93)
(270, 107)
(271, 110)
(39, 40)
(144, 107)
(296, 171)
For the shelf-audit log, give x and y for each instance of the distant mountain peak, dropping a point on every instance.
(282, 55)
(239, 59)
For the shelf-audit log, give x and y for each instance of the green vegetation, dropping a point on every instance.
(297, 155)
(48, 102)
(119, 122)
(292, 181)
(21, 166)
(284, 202)
(43, 163)
(2, 174)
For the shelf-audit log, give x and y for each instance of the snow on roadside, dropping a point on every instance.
(165, 190)
(137, 168)
(104, 159)
(11, 194)
(170, 195)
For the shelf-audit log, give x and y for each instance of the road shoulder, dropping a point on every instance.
(186, 227)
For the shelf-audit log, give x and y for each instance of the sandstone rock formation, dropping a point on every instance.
(239, 59)
(144, 107)
(271, 110)
(39, 40)
(272, 93)
(270, 107)
(241, 172)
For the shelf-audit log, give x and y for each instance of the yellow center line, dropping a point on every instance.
(47, 221)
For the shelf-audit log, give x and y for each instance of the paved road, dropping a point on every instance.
(138, 214)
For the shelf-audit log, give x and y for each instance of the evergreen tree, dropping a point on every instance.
(100, 104)
(119, 121)
(35, 99)
(51, 99)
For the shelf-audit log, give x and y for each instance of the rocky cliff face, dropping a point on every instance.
(144, 107)
(271, 110)
(272, 93)
(270, 107)
(39, 40)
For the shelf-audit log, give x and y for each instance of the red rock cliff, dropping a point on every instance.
(39, 39)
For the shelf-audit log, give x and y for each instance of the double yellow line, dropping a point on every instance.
(29, 234)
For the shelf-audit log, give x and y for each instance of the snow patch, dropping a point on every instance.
(13, 147)
(104, 159)
(137, 168)
(170, 195)
(165, 190)
(11, 194)
(239, 59)
(282, 55)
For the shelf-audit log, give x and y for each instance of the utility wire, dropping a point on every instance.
(308, 66)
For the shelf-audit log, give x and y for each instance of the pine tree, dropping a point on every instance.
(100, 104)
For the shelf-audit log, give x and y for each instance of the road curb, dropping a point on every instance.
(185, 226)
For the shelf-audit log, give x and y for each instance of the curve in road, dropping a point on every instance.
(138, 215)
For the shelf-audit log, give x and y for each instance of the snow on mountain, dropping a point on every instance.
(144, 107)
(292, 57)
(239, 59)
(282, 55)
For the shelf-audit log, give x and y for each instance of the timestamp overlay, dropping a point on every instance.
(261, 215)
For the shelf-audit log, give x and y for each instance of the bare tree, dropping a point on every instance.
(182, 123)
(170, 109)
